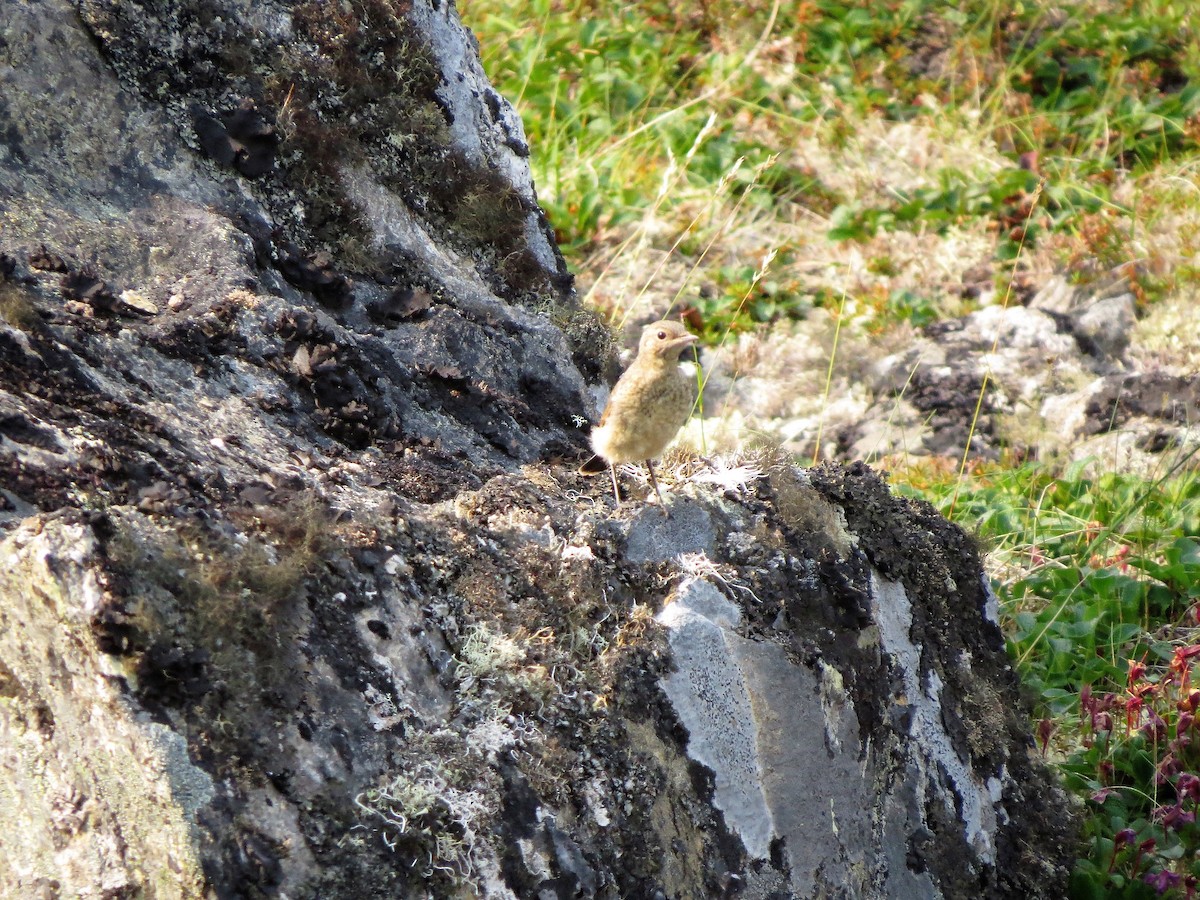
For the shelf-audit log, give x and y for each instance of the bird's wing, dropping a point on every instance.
(625, 385)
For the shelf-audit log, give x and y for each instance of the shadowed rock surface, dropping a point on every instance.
(301, 594)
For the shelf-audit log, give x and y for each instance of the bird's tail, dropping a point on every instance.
(593, 465)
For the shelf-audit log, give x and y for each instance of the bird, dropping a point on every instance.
(648, 405)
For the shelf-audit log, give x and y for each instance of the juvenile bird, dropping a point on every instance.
(648, 405)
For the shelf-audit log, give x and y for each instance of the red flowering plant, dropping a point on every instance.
(1139, 766)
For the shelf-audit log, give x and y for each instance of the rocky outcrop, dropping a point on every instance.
(1061, 377)
(505, 695)
(301, 594)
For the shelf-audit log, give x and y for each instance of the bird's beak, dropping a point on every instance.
(681, 342)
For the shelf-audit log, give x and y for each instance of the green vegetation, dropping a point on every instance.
(16, 308)
(688, 140)
(891, 160)
(1099, 587)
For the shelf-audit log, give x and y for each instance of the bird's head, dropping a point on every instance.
(664, 340)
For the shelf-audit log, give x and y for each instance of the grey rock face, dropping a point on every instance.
(1025, 378)
(1106, 326)
(298, 598)
(410, 251)
(474, 696)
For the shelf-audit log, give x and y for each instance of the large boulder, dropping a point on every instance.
(301, 593)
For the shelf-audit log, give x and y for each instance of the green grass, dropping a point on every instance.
(754, 161)
(1086, 567)
(640, 113)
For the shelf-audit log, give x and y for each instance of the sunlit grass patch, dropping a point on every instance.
(674, 146)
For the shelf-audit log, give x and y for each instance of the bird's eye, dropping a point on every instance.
(662, 335)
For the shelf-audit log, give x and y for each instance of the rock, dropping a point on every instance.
(999, 378)
(999, 328)
(98, 798)
(655, 536)
(173, 223)
(802, 719)
(1105, 328)
(301, 593)
(1100, 316)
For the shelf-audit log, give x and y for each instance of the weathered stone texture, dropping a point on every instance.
(300, 592)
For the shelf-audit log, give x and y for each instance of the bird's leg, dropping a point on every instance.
(654, 481)
(612, 469)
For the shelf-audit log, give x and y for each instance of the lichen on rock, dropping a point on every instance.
(302, 594)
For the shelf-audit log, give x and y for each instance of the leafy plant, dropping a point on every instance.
(1139, 767)
(1099, 587)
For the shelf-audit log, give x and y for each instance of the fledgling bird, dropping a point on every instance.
(648, 405)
